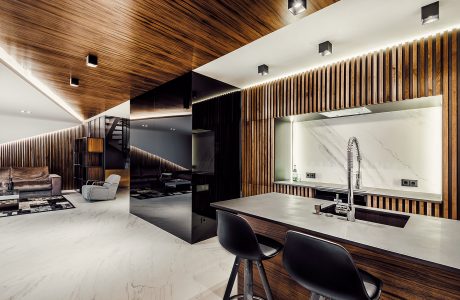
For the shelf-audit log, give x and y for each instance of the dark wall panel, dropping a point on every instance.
(222, 115)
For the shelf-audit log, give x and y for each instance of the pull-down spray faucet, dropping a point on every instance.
(353, 141)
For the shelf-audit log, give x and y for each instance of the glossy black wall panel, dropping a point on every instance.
(216, 178)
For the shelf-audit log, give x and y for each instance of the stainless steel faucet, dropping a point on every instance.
(353, 141)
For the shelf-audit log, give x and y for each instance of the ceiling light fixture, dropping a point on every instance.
(172, 129)
(75, 82)
(346, 112)
(262, 70)
(91, 61)
(430, 13)
(27, 75)
(297, 6)
(145, 125)
(26, 111)
(325, 48)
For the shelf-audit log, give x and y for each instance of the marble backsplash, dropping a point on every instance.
(394, 145)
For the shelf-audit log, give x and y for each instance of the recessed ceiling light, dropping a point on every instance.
(145, 125)
(26, 111)
(325, 48)
(430, 13)
(262, 70)
(297, 6)
(74, 81)
(91, 61)
(172, 129)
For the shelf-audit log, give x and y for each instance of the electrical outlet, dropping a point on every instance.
(310, 175)
(409, 182)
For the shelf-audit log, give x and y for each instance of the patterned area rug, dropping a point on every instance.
(33, 205)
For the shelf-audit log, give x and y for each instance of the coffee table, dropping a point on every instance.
(9, 199)
(9, 195)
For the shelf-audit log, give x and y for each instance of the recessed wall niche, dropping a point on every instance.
(397, 140)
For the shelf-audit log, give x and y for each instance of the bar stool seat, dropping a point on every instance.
(326, 269)
(371, 284)
(269, 247)
(236, 236)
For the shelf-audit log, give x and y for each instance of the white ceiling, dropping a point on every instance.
(16, 94)
(354, 27)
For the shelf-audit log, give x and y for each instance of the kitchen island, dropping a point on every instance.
(419, 261)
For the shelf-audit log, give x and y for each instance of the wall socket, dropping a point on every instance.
(310, 175)
(409, 182)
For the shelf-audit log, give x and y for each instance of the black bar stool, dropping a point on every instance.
(327, 269)
(236, 236)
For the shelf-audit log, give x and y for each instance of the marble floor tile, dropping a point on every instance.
(100, 251)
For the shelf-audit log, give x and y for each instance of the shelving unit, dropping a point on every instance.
(88, 160)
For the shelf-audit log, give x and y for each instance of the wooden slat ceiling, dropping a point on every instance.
(140, 43)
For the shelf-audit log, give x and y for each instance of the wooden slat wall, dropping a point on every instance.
(54, 150)
(405, 205)
(419, 68)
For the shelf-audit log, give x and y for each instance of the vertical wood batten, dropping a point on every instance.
(420, 68)
(54, 150)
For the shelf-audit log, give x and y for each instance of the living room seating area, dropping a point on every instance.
(30, 181)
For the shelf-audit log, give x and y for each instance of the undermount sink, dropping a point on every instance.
(368, 215)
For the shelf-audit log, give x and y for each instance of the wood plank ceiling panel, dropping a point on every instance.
(140, 44)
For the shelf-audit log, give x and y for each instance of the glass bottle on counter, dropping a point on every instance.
(295, 175)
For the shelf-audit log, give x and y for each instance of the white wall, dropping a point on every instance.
(394, 145)
(13, 128)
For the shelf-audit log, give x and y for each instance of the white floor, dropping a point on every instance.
(100, 251)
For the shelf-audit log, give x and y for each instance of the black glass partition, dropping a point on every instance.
(179, 166)
(161, 161)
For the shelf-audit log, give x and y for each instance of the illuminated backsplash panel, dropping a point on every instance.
(394, 145)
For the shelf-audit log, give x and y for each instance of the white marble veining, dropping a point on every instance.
(100, 251)
(394, 145)
(432, 240)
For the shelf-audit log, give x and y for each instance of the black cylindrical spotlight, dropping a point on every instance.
(74, 81)
(262, 70)
(91, 60)
(325, 48)
(430, 13)
(297, 6)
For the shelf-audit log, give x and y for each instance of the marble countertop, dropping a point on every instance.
(435, 241)
(412, 195)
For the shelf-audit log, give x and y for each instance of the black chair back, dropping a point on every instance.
(322, 267)
(237, 236)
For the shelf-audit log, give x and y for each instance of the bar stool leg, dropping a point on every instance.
(263, 277)
(232, 278)
(248, 284)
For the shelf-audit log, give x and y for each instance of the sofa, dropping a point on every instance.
(4, 177)
(31, 181)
